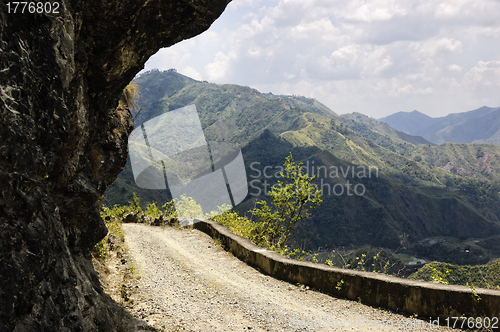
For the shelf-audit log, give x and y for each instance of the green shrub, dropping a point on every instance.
(99, 250)
(135, 206)
(292, 199)
(152, 210)
(255, 232)
(170, 211)
(188, 208)
(116, 211)
(439, 276)
(291, 202)
(113, 221)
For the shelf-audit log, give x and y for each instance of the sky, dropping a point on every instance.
(375, 57)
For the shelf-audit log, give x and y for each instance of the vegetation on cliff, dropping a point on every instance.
(483, 276)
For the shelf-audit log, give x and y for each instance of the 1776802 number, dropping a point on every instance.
(40, 7)
(471, 322)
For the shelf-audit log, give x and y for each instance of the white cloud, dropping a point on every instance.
(235, 4)
(191, 72)
(218, 69)
(436, 47)
(375, 56)
(484, 75)
(377, 10)
(455, 68)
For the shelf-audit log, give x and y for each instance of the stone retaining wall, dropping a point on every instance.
(401, 295)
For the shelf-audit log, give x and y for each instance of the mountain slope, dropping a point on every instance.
(468, 160)
(484, 276)
(356, 120)
(218, 105)
(407, 196)
(379, 217)
(155, 87)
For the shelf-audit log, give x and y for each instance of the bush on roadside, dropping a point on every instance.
(152, 210)
(134, 206)
(170, 211)
(113, 221)
(291, 202)
(254, 231)
(257, 232)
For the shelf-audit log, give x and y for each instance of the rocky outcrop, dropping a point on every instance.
(62, 140)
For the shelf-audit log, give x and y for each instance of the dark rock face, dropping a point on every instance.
(63, 139)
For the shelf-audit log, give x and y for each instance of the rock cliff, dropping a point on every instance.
(63, 139)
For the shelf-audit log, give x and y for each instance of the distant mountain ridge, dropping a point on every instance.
(382, 127)
(478, 126)
(412, 123)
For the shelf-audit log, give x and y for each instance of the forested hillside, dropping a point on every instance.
(406, 192)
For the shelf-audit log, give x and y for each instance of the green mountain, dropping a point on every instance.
(380, 189)
(386, 210)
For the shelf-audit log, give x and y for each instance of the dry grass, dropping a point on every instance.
(130, 95)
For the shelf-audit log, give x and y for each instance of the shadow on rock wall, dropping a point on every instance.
(63, 140)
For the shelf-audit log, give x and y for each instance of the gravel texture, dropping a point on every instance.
(187, 282)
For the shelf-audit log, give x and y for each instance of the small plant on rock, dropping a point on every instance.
(438, 276)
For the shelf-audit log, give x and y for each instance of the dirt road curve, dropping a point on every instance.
(189, 283)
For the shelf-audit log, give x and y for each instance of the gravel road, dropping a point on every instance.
(189, 283)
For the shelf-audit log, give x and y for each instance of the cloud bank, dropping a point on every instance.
(374, 57)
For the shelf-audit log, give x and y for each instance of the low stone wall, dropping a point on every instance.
(401, 295)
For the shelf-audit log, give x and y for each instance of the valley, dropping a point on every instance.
(420, 190)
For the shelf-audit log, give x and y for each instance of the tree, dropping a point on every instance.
(292, 201)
